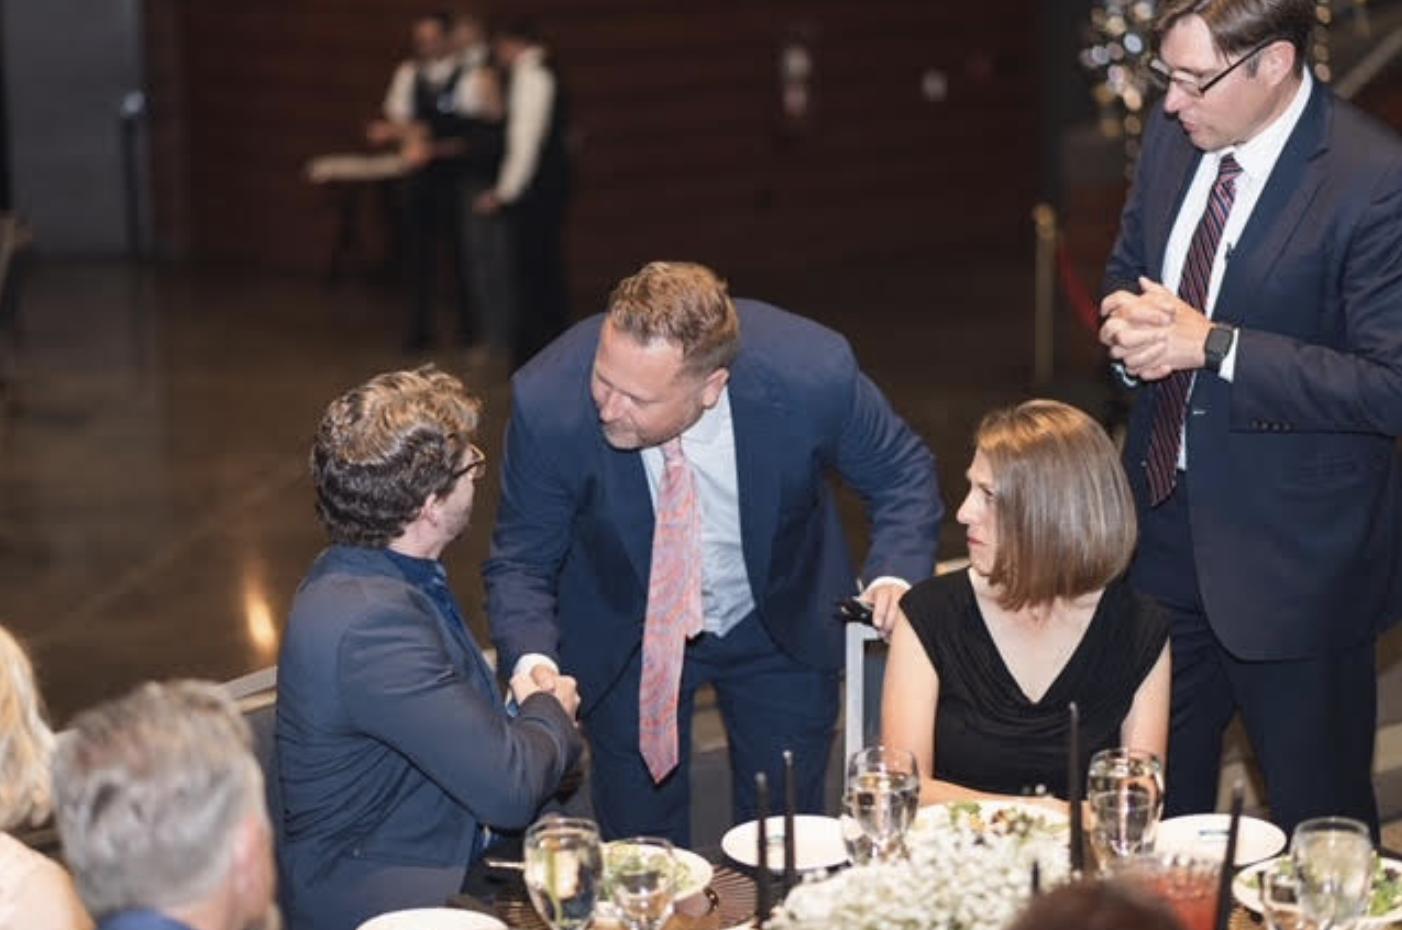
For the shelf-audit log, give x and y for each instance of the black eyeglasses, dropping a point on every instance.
(476, 466)
(1163, 77)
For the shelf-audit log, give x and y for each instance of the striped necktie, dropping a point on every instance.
(1172, 392)
(674, 610)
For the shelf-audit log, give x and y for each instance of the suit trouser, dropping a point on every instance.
(1311, 721)
(541, 301)
(433, 226)
(769, 703)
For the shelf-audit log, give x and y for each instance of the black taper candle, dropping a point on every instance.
(1224, 882)
(790, 802)
(763, 894)
(1074, 789)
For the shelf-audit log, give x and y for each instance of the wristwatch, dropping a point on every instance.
(1218, 344)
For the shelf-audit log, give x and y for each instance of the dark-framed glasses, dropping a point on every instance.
(1163, 77)
(476, 465)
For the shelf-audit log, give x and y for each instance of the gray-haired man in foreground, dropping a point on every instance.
(159, 803)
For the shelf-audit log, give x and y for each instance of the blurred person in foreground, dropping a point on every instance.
(159, 801)
(35, 892)
(667, 522)
(1255, 307)
(395, 749)
(1096, 906)
(984, 662)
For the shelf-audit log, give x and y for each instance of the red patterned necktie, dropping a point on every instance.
(673, 610)
(1172, 392)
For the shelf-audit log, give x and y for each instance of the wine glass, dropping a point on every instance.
(564, 863)
(1333, 859)
(1122, 824)
(643, 875)
(1135, 771)
(883, 792)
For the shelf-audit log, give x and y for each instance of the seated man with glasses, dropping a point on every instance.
(1255, 303)
(396, 754)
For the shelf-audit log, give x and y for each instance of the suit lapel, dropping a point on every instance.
(625, 489)
(1162, 210)
(755, 412)
(1289, 190)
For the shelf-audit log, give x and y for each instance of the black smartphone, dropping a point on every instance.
(854, 610)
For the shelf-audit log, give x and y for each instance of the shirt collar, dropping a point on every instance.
(416, 570)
(1258, 155)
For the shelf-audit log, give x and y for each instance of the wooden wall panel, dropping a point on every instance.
(683, 148)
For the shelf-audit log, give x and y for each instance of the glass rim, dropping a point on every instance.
(1125, 752)
(1333, 821)
(557, 822)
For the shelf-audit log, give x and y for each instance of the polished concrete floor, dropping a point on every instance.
(155, 512)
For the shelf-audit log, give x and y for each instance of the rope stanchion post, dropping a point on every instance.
(1044, 298)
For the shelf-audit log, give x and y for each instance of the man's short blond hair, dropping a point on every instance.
(1063, 509)
(683, 303)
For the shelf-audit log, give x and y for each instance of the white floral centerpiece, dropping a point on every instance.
(970, 868)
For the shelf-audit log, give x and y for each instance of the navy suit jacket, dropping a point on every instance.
(568, 573)
(394, 747)
(1293, 471)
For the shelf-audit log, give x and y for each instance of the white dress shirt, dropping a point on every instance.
(528, 112)
(469, 97)
(1257, 157)
(709, 446)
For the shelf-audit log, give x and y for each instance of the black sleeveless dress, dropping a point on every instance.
(988, 735)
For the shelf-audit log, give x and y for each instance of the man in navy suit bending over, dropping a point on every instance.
(666, 522)
(1256, 299)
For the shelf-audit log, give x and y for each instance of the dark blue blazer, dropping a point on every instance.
(140, 920)
(394, 747)
(568, 573)
(1293, 470)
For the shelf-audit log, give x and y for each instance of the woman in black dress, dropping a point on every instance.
(984, 663)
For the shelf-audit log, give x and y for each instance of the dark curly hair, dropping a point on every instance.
(384, 447)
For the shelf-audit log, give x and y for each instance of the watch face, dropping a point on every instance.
(1219, 342)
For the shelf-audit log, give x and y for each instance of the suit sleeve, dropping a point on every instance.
(529, 545)
(882, 459)
(400, 687)
(1357, 385)
(1128, 260)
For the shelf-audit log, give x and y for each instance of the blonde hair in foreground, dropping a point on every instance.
(1064, 514)
(26, 742)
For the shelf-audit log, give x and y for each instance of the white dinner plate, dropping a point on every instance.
(992, 815)
(1206, 835)
(433, 918)
(696, 873)
(817, 843)
(1247, 891)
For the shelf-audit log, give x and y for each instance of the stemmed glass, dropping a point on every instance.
(643, 876)
(564, 864)
(1124, 789)
(1122, 826)
(1333, 859)
(883, 792)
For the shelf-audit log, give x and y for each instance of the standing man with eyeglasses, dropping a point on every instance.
(1255, 304)
(396, 755)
